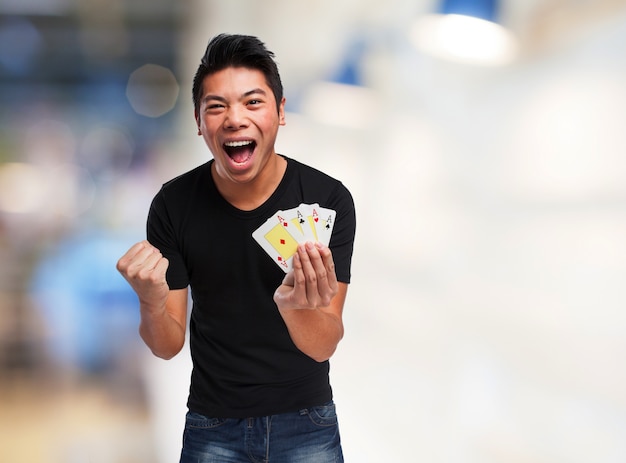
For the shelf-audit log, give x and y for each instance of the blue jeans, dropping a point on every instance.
(308, 436)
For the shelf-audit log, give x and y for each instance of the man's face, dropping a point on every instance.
(239, 121)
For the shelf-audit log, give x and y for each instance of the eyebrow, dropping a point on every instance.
(246, 94)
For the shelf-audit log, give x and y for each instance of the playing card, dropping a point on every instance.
(280, 234)
(276, 241)
(299, 216)
(305, 215)
(324, 221)
(286, 220)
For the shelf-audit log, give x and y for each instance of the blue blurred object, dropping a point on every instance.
(20, 42)
(483, 9)
(349, 70)
(90, 311)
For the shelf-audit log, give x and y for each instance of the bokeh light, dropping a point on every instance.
(152, 90)
(464, 39)
(23, 188)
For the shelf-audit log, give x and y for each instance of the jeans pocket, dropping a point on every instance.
(323, 415)
(196, 420)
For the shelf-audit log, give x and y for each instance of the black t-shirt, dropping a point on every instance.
(244, 362)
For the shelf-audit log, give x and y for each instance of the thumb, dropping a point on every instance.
(289, 279)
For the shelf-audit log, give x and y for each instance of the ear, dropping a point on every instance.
(195, 116)
(281, 112)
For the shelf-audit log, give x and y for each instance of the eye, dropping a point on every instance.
(214, 108)
(255, 102)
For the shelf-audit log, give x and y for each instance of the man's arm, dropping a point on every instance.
(310, 300)
(163, 330)
(163, 311)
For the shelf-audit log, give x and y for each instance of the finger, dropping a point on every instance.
(289, 279)
(285, 288)
(152, 256)
(150, 265)
(311, 263)
(128, 257)
(142, 265)
(329, 263)
(299, 293)
(152, 276)
(325, 270)
(135, 254)
(160, 269)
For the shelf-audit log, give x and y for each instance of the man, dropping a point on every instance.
(260, 339)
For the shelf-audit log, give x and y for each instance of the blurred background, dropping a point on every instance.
(484, 145)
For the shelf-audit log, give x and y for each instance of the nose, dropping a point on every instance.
(235, 118)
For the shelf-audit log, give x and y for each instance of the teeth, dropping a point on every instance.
(236, 144)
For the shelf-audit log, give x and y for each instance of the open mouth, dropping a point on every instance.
(240, 151)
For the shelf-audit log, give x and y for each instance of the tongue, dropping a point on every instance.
(240, 154)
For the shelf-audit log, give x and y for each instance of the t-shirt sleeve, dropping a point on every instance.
(162, 235)
(342, 239)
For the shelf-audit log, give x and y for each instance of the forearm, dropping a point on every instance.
(310, 300)
(161, 333)
(315, 332)
(163, 311)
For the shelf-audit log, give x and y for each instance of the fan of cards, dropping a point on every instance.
(280, 235)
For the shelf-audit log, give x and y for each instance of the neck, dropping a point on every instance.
(250, 195)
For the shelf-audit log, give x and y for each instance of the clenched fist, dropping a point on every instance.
(144, 267)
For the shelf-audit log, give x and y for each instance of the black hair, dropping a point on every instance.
(226, 50)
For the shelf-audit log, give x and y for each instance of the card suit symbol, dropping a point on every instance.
(280, 259)
(316, 219)
(285, 224)
(282, 241)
